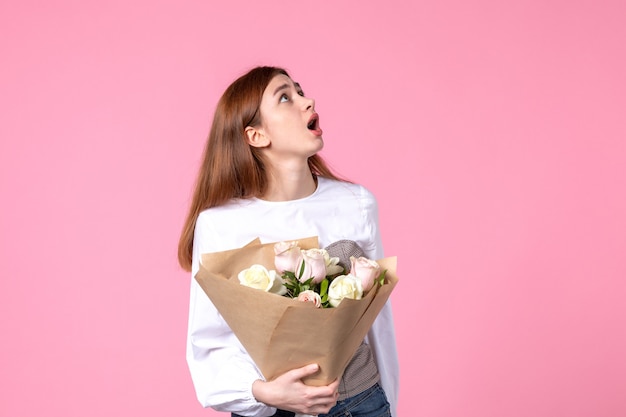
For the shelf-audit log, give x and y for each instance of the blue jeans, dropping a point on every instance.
(279, 413)
(370, 403)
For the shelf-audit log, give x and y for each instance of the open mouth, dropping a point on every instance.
(313, 122)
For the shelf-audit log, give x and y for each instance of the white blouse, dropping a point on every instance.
(221, 370)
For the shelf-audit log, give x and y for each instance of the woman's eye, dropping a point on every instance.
(284, 98)
(301, 93)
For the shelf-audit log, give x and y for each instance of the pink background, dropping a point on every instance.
(493, 134)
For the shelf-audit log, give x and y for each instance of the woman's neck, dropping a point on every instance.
(289, 184)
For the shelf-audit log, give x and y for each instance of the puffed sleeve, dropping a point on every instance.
(381, 337)
(221, 370)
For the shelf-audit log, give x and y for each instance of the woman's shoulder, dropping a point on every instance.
(225, 212)
(338, 188)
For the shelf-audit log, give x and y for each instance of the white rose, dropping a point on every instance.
(311, 297)
(257, 276)
(332, 264)
(344, 286)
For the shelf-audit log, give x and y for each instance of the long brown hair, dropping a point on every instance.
(230, 167)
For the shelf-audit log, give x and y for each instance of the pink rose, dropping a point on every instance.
(314, 266)
(366, 270)
(287, 256)
(310, 297)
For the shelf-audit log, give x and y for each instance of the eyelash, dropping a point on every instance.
(286, 97)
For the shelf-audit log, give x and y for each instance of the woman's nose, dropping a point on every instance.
(309, 104)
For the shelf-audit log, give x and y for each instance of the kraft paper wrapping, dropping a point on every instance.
(280, 333)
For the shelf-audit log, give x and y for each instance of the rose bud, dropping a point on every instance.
(314, 266)
(287, 256)
(366, 270)
(310, 297)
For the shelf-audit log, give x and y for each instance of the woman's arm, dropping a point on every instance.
(221, 370)
(381, 337)
(288, 392)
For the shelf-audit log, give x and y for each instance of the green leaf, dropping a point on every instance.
(381, 277)
(301, 272)
(324, 288)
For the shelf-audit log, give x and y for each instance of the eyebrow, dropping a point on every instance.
(286, 86)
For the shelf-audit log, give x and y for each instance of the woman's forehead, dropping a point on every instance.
(280, 82)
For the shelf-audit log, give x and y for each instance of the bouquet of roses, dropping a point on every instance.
(281, 333)
(312, 275)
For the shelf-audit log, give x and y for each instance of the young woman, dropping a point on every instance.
(261, 177)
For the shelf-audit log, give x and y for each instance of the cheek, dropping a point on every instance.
(284, 132)
(274, 124)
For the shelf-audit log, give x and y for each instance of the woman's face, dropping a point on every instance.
(289, 122)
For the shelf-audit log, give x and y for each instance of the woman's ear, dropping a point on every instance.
(256, 137)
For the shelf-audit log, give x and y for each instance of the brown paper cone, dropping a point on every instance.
(281, 333)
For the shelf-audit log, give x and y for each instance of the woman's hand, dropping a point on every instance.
(288, 392)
